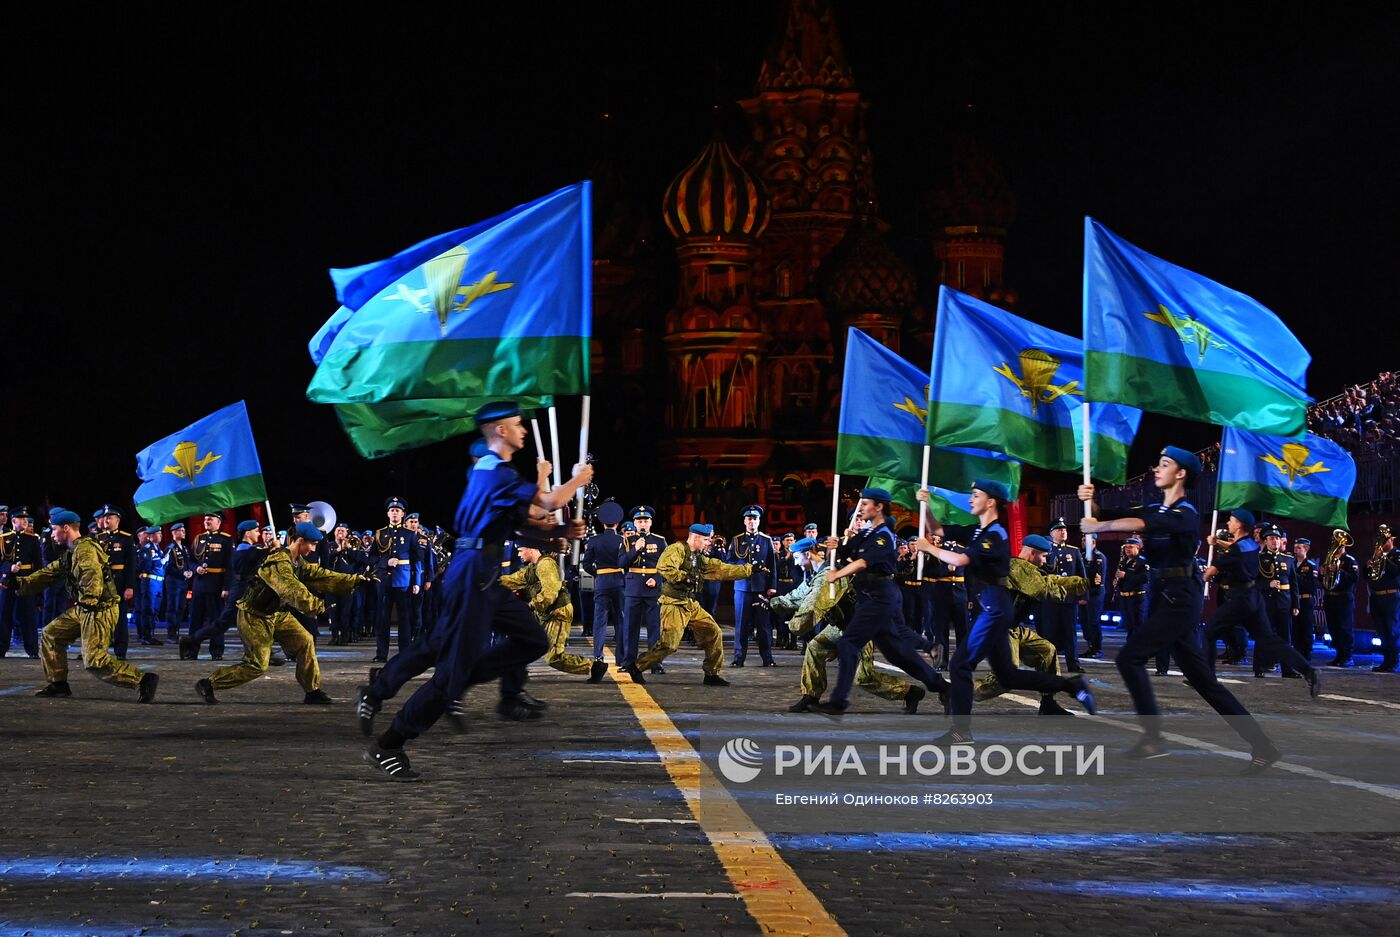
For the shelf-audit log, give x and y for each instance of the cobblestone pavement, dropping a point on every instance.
(257, 816)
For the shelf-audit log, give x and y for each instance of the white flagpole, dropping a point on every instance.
(582, 457)
(1210, 550)
(835, 507)
(539, 440)
(923, 522)
(554, 450)
(1088, 505)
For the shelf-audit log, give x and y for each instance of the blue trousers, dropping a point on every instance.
(607, 610)
(1133, 608)
(174, 604)
(639, 609)
(148, 596)
(749, 617)
(990, 638)
(1341, 619)
(1057, 621)
(1090, 620)
(1384, 610)
(879, 617)
(391, 598)
(19, 613)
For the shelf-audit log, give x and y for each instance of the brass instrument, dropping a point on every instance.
(1375, 566)
(1330, 572)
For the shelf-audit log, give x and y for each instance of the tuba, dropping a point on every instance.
(1331, 570)
(1375, 566)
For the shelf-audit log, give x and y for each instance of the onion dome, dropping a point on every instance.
(715, 196)
(868, 275)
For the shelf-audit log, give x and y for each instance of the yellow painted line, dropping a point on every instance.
(772, 893)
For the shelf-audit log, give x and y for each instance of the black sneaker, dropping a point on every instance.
(803, 705)
(955, 737)
(770, 663)
(366, 708)
(830, 708)
(1049, 707)
(378, 660)
(390, 762)
(1314, 682)
(1085, 697)
(1147, 748)
(635, 674)
(512, 710)
(56, 690)
(714, 679)
(1261, 760)
(911, 699)
(457, 716)
(598, 671)
(205, 689)
(318, 698)
(146, 689)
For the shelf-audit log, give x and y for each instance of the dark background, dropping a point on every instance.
(178, 185)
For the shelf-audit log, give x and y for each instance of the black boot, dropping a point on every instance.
(59, 689)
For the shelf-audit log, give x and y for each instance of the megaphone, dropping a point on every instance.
(322, 516)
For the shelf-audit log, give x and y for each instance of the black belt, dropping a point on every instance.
(1237, 585)
(1176, 572)
(867, 579)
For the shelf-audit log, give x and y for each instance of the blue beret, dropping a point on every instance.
(410, 516)
(993, 488)
(803, 545)
(4, 509)
(704, 530)
(246, 526)
(309, 531)
(498, 410)
(479, 448)
(155, 529)
(753, 510)
(1304, 541)
(875, 494)
(1241, 515)
(178, 525)
(642, 510)
(1134, 539)
(59, 518)
(342, 524)
(1183, 458)
(395, 503)
(628, 525)
(811, 526)
(1037, 542)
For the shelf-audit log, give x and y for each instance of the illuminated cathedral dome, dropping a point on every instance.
(717, 196)
(867, 273)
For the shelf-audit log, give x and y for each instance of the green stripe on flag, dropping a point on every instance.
(235, 492)
(1193, 393)
(380, 429)
(1051, 447)
(1299, 505)
(944, 510)
(480, 367)
(898, 458)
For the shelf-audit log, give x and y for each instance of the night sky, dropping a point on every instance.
(178, 186)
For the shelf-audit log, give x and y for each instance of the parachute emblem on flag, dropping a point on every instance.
(913, 409)
(187, 462)
(1294, 462)
(444, 276)
(1037, 379)
(1189, 330)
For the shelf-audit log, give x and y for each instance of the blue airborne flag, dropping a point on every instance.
(884, 402)
(1162, 338)
(1309, 479)
(498, 309)
(207, 466)
(1005, 383)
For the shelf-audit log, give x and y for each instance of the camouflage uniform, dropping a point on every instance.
(265, 615)
(810, 604)
(682, 573)
(549, 600)
(1029, 584)
(87, 576)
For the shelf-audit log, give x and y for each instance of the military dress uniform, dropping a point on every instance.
(946, 599)
(1280, 598)
(1307, 602)
(1339, 601)
(120, 548)
(1091, 612)
(602, 558)
(341, 609)
(913, 594)
(175, 591)
(151, 588)
(22, 554)
(243, 564)
(641, 593)
(751, 593)
(787, 577)
(1385, 610)
(212, 554)
(1132, 599)
(1057, 617)
(395, 553)
(422, 578)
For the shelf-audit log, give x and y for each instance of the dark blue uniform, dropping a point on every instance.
(1174, 610)
(1307, 602)
(878, 615)
(1280, 601)
(398, 543)
(1339, 601)
(243, 566)
(603, 558)
(1091, 612)
(1385, 610)
(1242, 605)
(175, 589)
(474, 606)
(1132, 601)
(19, 612)
(945, 598)
(1057, 617)
(642, 592)
(124, 563)
(150, 590)
(214, 554)
(751, 615)
(341, 609)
